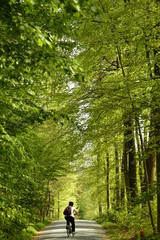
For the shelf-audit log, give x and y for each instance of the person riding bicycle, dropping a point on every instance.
(70, 217)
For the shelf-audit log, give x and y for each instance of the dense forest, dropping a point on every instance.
(80, 113)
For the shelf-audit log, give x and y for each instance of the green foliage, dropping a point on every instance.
(33, 63)
(127, 225)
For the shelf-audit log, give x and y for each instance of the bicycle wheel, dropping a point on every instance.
(68, 231)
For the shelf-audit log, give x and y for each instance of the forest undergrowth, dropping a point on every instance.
(122, 226)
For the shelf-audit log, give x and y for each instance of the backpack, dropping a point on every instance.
(67, 211)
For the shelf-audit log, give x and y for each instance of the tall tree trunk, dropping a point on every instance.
(139, 153)
(158, 176)
(156, 101)
(125, 167)
(129, 146)
(157, 123)
(151, 151)
(122, 183)
(107, 181)
(132, 165)
(98, 185)
(58, 201)
(49, 202)
(117, 180)
(129, 161)
(146, 175)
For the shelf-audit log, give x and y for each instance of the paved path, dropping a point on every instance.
(85, 230)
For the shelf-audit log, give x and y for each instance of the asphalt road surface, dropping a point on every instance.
(85, 230)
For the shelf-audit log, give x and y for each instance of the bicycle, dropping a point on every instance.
(69, 230)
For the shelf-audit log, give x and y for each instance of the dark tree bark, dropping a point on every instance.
(108, 181)
(151, 151)
(156, 101)
(58, 200)
(98, 188)
(117, 177)
(122, 183)
(129, 161)
(125, 168)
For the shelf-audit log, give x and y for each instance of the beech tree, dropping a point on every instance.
(35, 43)
(118, 61)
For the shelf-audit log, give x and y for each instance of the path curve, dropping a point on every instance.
(85, 230)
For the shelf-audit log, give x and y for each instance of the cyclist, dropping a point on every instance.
(70, 218)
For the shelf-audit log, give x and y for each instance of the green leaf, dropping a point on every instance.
(94, 9)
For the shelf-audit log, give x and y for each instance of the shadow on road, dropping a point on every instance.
(85, 230)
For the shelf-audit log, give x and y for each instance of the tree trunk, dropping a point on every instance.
(125, 169)
(117, 180)
(58, 200)
(107, 182)
(132, 168)
(158, 187)
(122, 184)
(129, 161)
(156, 101)
(157, 129)
(141, 174)
(98, 185)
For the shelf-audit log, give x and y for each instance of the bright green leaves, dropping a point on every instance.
(76, 5)
(36, 65)
(94, 9)
(117, 54)
(40, 38)
(29, 1)
(18, 172)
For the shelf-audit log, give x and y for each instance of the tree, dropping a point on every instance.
(117, 71)
(35, 43)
